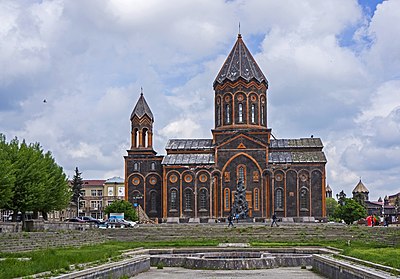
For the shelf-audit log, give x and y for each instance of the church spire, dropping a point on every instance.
(240, 64)
(142, 108)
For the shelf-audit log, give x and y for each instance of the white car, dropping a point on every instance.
(133, 224)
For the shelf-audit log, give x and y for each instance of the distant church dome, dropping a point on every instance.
(360, 188)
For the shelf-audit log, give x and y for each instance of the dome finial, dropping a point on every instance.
(239, 35)
(141, 91)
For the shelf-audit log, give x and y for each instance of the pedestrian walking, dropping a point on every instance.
(274, 220)
(230, 221)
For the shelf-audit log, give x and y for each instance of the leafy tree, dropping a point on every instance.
(122, 206)
(77, 184)
(38, 183)
(349, 211)
(331, 205)
(7, 176)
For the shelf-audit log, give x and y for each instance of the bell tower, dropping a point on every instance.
(240, 101)
(142, 126)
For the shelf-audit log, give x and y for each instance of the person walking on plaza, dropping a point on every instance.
(274, 220)
(230, 220)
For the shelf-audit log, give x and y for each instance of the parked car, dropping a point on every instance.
(133, 223)
(116, 223)
(90, 219)
(75, 220)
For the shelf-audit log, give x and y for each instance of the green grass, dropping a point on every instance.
(59, 260)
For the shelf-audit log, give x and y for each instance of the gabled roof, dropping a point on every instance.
(189, 144)
(188, 159)
(360, 188)
(284, 157)
(296, 143)
(142, 108)
(240, 64)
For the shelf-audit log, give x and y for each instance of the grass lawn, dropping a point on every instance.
(59, 260)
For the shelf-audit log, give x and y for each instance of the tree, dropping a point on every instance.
(122, 206)
(350, 211)
(359, 197)
(331, 205)
(77, 184)
(38, 183)
(7, 176)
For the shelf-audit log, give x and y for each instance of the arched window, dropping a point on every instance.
(188, 199)
(145, 136)
(173, 199)
(228, 114)
(241, 174)
(256, 199)
(153, 166)
(262, 114)
(227, 205)
(240, 112)
(203, 199)
(218, 115)
(303, 199)
(135, 137)
(153, 201)
(136, 167)
(279, 198)
(253, 113)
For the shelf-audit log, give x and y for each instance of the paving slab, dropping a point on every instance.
(274, 273)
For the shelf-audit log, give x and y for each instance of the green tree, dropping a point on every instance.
(77, 184)
(359, 197)
(7, 176)
(39, 184)
(349, 211)
(331, 205)
(122, 206)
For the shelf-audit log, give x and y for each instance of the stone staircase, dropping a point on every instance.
(18, 242)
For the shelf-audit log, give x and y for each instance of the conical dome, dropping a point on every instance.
(141, 109)
(240, 64)
(360, 188)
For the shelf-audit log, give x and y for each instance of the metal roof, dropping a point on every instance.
(240, 64)
(296, 143)
(297, 157)
(360, 188)
(142, 108)
(188, 159)
(189, 144)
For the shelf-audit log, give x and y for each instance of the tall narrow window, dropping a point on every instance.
(153, 201)
(253, 113)
(240, 112)
(228, 114)
(256, 199)
(241, 174)
(203, 199)
(153, 166)
(218, 116)
(262, 115)
(227, 206)
(188, 200)
(303, 199)
(136, 166)
(279, 198)
(173, 199)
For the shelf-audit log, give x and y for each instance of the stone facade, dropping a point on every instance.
(197, 178)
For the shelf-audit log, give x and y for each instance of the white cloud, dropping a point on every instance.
(89, 60)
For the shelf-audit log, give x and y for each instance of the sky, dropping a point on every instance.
(333, 68)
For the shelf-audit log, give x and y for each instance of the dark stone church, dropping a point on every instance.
(197, 179)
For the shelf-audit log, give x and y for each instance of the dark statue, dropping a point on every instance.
(240, 208)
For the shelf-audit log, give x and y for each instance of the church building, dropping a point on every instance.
(197, 178)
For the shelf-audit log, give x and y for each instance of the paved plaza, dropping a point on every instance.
(274, 273)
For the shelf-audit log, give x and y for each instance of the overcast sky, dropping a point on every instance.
(333, 69)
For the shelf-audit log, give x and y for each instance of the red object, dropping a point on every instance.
(369, 221)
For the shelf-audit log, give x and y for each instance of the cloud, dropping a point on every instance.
(332, 70)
